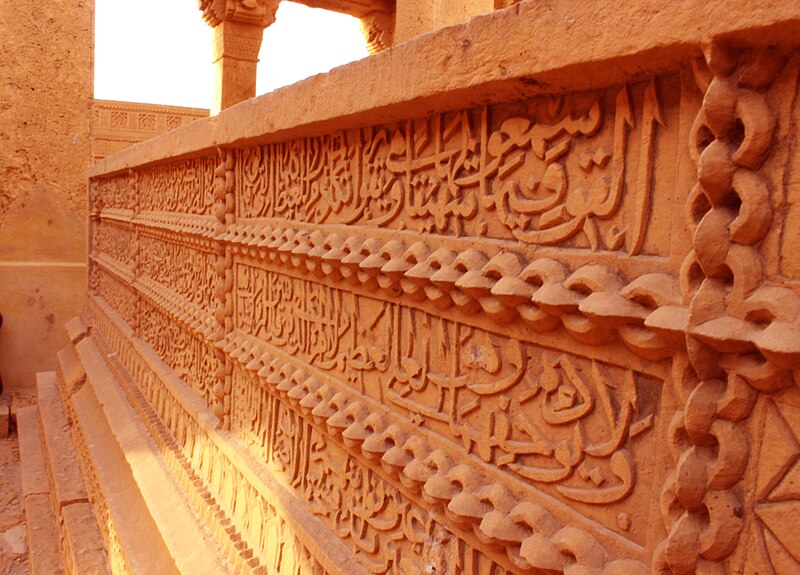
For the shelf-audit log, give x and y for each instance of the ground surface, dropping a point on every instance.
(13, 547)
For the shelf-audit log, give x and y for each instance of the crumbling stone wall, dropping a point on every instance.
(46, 76)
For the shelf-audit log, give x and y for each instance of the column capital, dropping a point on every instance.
(238, 30)
(378, 30)
(254, 12)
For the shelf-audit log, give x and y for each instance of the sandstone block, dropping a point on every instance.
(43, 537)
(34, 470)
(65, 472)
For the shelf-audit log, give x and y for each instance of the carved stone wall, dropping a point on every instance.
(554, 331)
(117, 125)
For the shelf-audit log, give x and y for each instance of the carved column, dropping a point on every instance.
(238, 30)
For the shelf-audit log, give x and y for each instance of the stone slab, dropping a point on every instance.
(44, 555)
(76, 329)
(34, 471)
(128, 516)
(65, 471)
(86, 553)
(71, 369)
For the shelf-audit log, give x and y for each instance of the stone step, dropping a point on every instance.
(81, 546)
(44, 553)
(153, 522)
(70, 370)
(34, 471)
(76, 329)
(84, 547)
(43, 537)
(66, 481)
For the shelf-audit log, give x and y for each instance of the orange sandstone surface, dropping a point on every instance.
(518, 296)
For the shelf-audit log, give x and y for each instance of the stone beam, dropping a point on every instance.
(377, 18)
(357, 8)
(238, 31)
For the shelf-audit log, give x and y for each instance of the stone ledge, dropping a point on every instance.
(45, 557)
(127, 519)
(76, 329)
(34, 471)
(42, 532)
(70, 370)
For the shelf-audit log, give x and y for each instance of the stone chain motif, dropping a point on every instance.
(730, 213)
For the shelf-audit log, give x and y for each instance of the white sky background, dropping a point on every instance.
(159, 51)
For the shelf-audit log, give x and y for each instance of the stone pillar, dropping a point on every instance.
(238, 30)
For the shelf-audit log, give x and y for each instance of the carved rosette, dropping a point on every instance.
(739, 334)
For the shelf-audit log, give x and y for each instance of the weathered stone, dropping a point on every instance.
(34, 470)
(44, 554)
(46, 94)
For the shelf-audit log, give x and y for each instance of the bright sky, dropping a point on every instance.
(159, 51)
